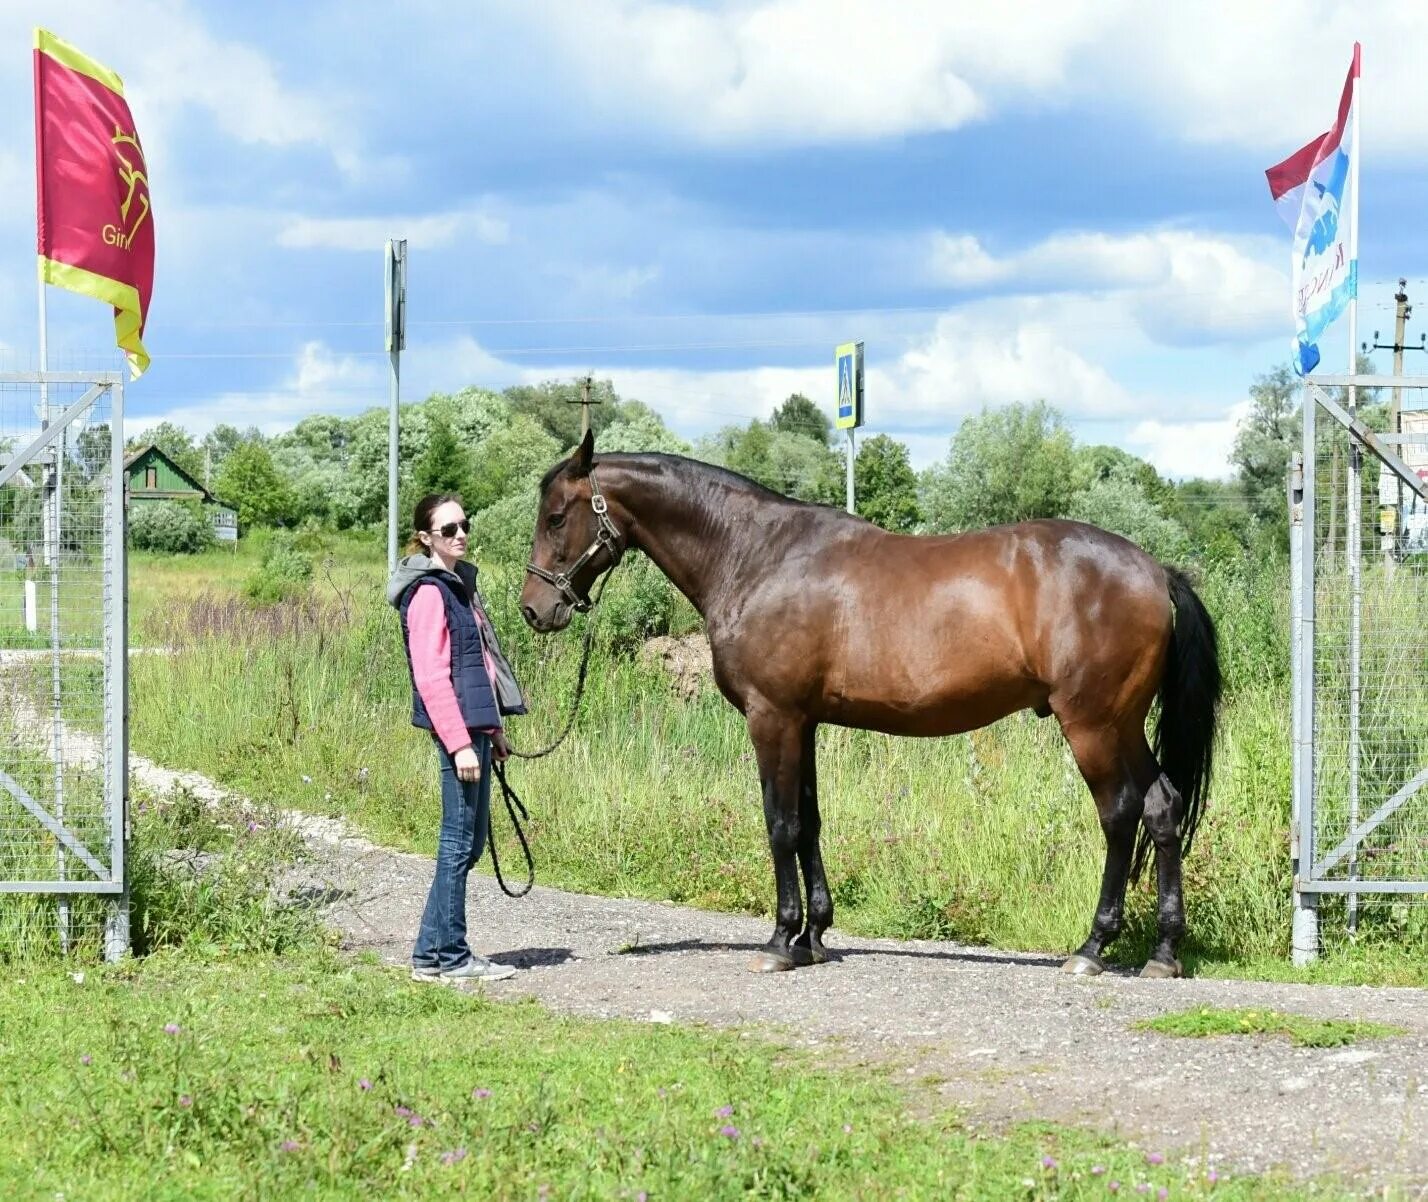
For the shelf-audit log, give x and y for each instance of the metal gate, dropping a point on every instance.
(63, 671)
(1359, 584)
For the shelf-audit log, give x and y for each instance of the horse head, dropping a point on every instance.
(575, 540)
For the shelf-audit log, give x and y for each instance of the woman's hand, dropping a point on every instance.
(468, 764)
(499, 747)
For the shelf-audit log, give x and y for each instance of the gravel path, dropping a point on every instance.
(1008, 1035)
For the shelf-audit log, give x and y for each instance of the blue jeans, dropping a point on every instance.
(465, 812)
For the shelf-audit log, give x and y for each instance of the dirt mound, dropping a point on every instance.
(687, 660)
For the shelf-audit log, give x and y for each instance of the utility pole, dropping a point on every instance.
(1388, 526)
(586, 382)
(396, 295)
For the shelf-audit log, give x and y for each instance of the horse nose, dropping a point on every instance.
(529, 613)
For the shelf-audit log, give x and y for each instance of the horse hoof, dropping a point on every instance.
(770, 962)
(804, 956)
(1159, 970)
(1083, 966)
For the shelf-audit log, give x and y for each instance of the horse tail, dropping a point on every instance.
(1189, 703)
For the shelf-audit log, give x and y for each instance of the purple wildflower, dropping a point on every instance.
(185, 1101)
(1162, 1193)
(1114, 1186)
(1097, 1170)
(364, 1085)
(1143, 1188)
(86, 1059)
(729, 1132)
(1154, 1158)
(455, 1156)
(290, 1145)
(1212, 1176)
(415, 1121)
(402, 1111)
(480, 1093)
(172, 1028)
(1048, 1163)
(723, 1112)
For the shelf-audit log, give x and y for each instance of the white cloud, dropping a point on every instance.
(1198, 448)
(170, 62)
(811, 70)
(1190, 288)
(319, 381)
(422, 233)
(1268, 76)
(17, 179)
(1265, 76)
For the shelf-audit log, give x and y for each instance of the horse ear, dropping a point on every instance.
(584, 454)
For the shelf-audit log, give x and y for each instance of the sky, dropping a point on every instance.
(1043, 201)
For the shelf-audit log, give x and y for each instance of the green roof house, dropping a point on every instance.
(154, 477)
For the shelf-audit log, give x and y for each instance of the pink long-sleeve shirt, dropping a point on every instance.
(430, 644)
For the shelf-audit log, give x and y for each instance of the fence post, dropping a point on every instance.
(1304, 934)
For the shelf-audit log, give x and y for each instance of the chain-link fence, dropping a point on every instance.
(63, 755)
(1361, 678)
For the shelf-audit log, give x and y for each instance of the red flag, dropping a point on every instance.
(96, 226)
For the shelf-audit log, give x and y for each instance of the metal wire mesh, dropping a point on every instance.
(60, 821)
(1370, 688)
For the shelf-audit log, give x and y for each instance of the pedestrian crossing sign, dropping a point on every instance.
(849, 360)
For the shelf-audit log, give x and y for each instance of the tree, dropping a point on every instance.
(510, 460)
(884, 484)
(1267, 436)
(1005, 465)
(175, 442)
(446, 466)
(554, 404)
(1118, 505)
(799, 415)
(252, 484)
(219, 443)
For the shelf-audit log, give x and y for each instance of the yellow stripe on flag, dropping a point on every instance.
(124, 298)
(66, 55)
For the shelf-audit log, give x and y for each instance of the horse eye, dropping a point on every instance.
(557, 519)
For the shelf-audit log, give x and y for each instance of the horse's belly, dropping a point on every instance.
(933, 700)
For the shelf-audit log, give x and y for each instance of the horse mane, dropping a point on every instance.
(684, 468)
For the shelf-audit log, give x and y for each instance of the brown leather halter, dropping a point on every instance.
(607, 537)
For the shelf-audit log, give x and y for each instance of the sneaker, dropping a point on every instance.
(425, 973)
(478, 968)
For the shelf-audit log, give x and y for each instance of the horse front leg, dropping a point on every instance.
(778, 746)
(808, 948)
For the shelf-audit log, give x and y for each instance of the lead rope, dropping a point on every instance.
(579, 682)
(513, 802)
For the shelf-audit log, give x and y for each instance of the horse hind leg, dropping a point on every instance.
(1163, 812)
(1120, 798)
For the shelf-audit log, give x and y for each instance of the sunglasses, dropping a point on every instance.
(450, 529)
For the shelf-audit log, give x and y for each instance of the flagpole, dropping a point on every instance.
(1355, 503)
(49, 518)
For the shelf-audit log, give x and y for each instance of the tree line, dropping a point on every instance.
(1002, 465)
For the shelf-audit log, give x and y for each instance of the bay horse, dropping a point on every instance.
(815, 616)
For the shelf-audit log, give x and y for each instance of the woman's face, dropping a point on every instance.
(446, 518)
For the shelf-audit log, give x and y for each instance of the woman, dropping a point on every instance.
(461, 685)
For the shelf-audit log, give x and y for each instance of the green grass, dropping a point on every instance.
(259, 1078)
(1301, 1030)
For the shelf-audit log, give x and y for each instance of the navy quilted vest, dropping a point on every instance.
(473, 688)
